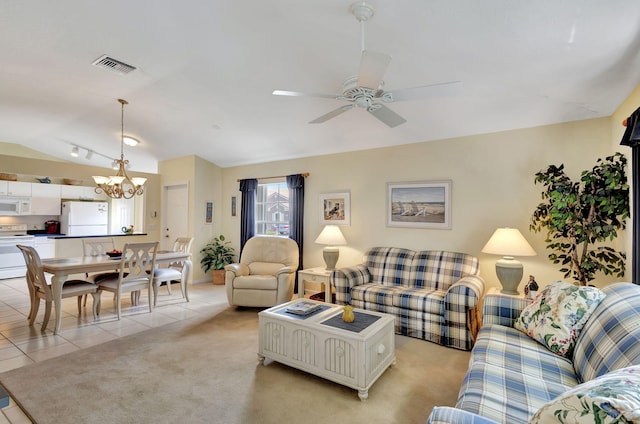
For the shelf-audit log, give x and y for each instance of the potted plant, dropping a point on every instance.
(581, 216)
(215, 255)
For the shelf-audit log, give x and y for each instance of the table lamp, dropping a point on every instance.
(332, 237)
(509, 242)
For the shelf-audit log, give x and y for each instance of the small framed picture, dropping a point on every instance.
(233, 205)
(335, 208)
(421, 204)
(208, 212)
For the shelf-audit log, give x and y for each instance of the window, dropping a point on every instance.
(272, 209)
(126, 212)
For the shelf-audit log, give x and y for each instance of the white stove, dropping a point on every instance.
(11, 260)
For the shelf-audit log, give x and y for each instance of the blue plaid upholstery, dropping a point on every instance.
(433, 294)
(502, 309)
(610, 339)
(511, 376)
(447, 415)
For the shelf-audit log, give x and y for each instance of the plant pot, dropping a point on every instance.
(218, 277)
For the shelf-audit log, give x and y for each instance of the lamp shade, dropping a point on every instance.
(508, 242)
(331, 236)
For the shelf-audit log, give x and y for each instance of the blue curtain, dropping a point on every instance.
(249, 188)
(295, 184)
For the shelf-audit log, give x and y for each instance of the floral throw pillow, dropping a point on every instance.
(557, 315)
(611, 398)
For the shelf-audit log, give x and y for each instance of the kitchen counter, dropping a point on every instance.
(43, 233)
(63, 236)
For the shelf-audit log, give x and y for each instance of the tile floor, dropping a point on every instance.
(22, 345)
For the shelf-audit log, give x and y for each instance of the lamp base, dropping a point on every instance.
(509, 271)
(330, 255)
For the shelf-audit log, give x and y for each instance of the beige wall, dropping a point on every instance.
(492, 177)
(204, 180)
(493, 186)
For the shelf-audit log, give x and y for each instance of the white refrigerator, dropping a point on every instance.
(84, 218)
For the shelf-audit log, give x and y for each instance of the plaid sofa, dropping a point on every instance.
(511, 376)
(433, 295)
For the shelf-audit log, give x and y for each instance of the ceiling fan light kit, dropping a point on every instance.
(365, 90)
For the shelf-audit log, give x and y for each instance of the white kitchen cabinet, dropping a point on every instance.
(45, 199)
(45, 247)
(17, 189)
(3, 187)
(71, 192)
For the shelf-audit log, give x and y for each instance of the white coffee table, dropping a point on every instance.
(317, 345)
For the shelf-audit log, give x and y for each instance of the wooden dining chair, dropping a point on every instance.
(98, 246)
(174, 272)
(136, 269)
(40, 289)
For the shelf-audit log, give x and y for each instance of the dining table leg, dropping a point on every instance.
(186, 273)
(57, 281)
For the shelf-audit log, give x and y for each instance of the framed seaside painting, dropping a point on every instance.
(335, 208)
(420, 204)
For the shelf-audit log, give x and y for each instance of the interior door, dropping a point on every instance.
(176, 214)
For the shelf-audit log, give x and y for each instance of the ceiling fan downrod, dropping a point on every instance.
(363, 12)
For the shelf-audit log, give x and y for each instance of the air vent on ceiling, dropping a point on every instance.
(113, 65)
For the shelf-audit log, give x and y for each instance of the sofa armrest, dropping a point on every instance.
(461, 307)
(344, 279)
(502, 309)
(464, 294)
(285, 270)
(449, 415)
(237, 269)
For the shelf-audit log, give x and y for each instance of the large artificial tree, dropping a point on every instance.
(581, 216)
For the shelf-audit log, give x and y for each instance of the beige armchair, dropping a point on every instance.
(266, 273)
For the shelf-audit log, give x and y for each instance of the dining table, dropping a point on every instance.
(62, 268)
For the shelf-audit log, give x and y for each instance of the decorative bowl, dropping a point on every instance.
(114, 254)
(8, 177)
(71, 181)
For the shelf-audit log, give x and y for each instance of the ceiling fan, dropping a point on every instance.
(365, 90)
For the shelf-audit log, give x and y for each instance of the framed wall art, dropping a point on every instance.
(419, 204)
(335, 208)
(208, 212)
(233, 205)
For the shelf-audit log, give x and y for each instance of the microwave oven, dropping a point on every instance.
(10, 206)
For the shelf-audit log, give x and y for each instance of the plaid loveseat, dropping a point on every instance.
(432, 294)
(511, 376)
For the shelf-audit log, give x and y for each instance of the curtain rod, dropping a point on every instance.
(306, 174)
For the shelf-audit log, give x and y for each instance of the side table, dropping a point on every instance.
(501, 308)
(316, 275)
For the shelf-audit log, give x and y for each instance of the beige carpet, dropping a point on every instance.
(206, 371)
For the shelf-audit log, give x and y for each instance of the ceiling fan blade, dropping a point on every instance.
(372, 68)
(445, 89)
(299, 94)
(331, 114)
(387, 116)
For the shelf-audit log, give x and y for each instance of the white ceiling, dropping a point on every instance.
(206, 70)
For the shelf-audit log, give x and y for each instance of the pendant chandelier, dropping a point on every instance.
(120, 186)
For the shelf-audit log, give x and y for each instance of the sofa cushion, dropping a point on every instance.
(258, 282)
(610, 339)
(557, 315)
(389, 265)
(375, 294)
(504, 395)
(511, 349)
(440, 269)
(611, 398)
(420, 299)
